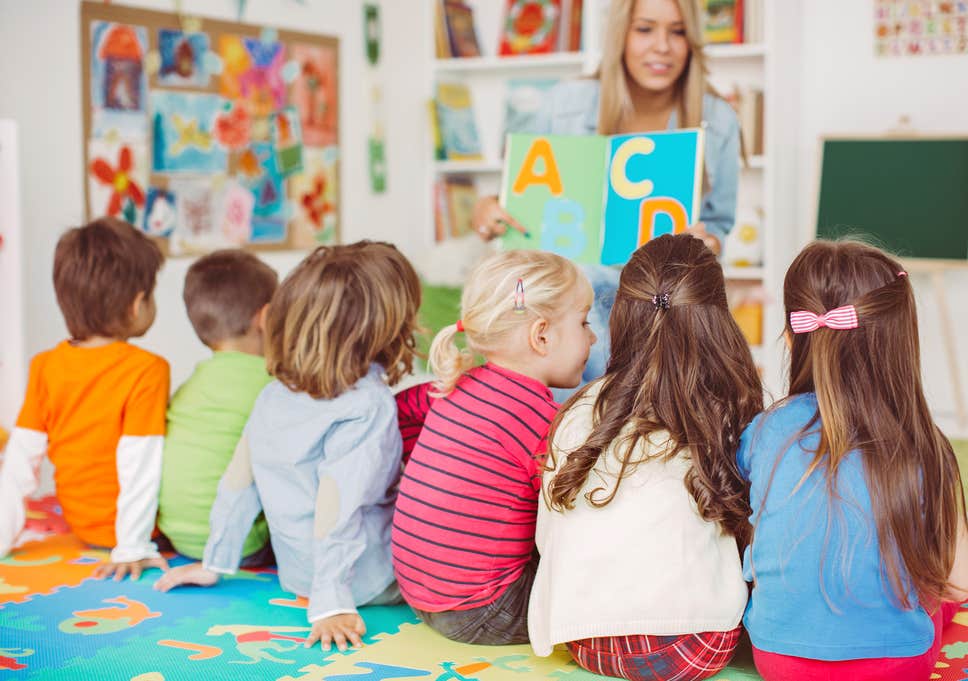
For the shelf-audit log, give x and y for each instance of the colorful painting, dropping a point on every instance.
(184, 133)
(117, 178)
(314, 94)
(596, 199)
(314, 194)
(182, 58)
(920, 27)
(118, 85)
(206, 133)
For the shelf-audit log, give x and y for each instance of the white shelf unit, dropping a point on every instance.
(766, 182)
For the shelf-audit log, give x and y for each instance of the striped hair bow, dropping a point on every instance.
(839, 318)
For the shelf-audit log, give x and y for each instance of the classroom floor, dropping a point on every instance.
(58, 623)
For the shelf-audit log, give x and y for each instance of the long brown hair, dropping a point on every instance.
(341, 309)
(870, 399)
(683, 368)
(615, 102)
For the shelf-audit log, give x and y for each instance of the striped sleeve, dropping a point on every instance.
(413, 405)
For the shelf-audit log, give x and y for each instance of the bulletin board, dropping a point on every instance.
(209, 134)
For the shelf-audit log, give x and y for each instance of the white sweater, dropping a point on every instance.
(646, 563)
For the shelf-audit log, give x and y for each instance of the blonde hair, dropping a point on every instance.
(615, 102)
(488, 307)
(342, 309)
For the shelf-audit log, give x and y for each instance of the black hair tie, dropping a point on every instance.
(661, 301)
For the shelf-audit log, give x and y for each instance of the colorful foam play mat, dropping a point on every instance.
(56, 622)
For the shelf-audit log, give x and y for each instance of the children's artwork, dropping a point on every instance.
(917, 27)
(183, 126)
(596, 199)
(209, 134)
(182, 58)
(117, 178)
(118, 91)
(455, 115)
(314, 94)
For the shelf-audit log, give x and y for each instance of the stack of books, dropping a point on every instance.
(454, 200)
(748, 104)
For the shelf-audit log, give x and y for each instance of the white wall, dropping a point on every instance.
(846, 89)
(40, 87)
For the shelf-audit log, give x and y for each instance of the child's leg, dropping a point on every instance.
(774, 667)
(264, 557)
(689, 657)
(501, 622)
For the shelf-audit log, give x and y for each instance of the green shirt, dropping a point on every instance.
(205, 421)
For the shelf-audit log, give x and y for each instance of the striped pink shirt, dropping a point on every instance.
(463, 529)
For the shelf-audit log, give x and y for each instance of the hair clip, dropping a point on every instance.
(840, 318)
(460, 326)
(661, 301)
(519, 296)
(902, 273)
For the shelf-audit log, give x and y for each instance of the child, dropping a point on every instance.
(321, 450)
(639, 571)
(463, 531)
(226, 295)
(95, 404)
(858, 510)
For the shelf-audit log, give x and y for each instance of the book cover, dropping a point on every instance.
(569, 26)
(526, 98)
(530, 27)
(595, 199)
(723, 21)
(440, 154)
(455, 116)
(441, 43)
(461, 36)
(461, 199)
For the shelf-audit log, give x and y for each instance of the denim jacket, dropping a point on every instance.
(572, 109)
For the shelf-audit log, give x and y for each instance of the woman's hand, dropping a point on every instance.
(490, 220)
(186, 574)
(698, 230)
(337, 629)
(133, 568)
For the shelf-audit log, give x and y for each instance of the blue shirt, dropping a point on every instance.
(818, 589)
(325, 473)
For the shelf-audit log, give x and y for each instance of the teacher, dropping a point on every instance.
(652, 77)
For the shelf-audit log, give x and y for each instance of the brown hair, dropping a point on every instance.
(224, 291)
(870, 399)
(686, 369)
(99, 269)
(340, 310)
(616, 102)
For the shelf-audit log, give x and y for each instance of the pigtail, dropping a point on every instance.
(447, 361)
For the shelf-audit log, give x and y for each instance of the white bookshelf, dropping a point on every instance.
(767, 181)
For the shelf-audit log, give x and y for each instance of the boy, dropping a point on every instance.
(226, 295)
(95, 404)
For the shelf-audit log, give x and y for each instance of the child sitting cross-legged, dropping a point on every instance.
(226, 295)
(320, 454)
(463, 531)
(96, 404)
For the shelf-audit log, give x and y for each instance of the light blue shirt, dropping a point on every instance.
(325, 472)
(818, 590)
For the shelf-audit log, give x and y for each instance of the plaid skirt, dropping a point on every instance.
(689, 657)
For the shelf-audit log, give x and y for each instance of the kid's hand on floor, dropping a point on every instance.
(337, 629)
(186, 574)
(134, 568)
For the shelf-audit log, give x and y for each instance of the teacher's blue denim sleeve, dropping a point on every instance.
(718, 209)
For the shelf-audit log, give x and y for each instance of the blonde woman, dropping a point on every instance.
(652, 77)
(463, 530)
(320, 453)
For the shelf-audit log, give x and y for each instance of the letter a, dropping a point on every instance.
(539, 149)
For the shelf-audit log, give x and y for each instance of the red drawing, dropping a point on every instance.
(120, 180)
(315, 203)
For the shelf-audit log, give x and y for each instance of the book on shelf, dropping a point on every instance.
(524, 102)
(530, 27)
(723, 21)
(454, 201)
(596, 198)
(569, 26)
(459, 26)
(440, 154)
(455, 116)
(748, 102)
(753, 21)
(441, 42)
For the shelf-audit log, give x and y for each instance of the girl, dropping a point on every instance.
(652, 77)
(320, 453)
(640, 572)
(857, 502)
(463, 531)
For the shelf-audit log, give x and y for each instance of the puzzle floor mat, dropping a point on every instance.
(56, 622)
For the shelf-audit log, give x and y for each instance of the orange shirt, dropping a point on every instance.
(85, 399)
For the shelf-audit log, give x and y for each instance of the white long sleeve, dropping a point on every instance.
(18, 480)
(139, 478)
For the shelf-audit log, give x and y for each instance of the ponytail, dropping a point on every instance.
(447, 361)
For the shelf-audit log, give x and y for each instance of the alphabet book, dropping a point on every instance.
(596, 198)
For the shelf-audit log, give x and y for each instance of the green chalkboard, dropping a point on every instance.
(909, 195)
